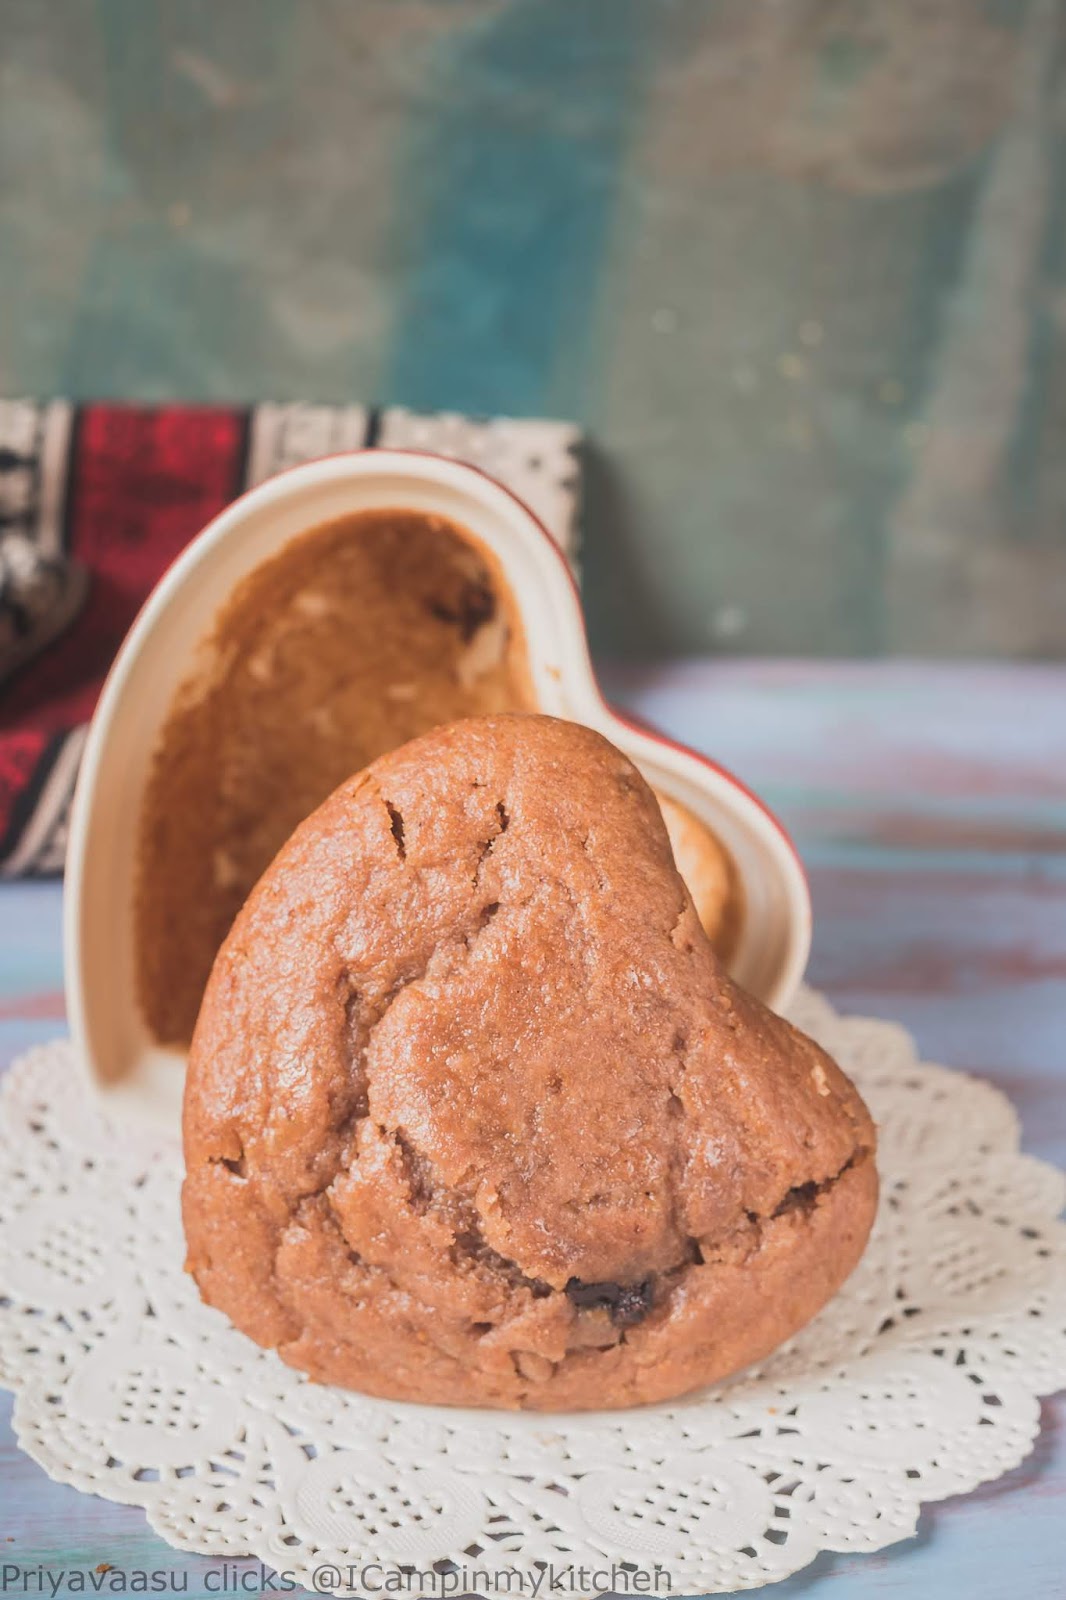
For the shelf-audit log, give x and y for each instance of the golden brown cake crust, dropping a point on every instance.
(474, 1116)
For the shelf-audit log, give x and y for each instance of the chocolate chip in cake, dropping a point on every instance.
(626, 1303)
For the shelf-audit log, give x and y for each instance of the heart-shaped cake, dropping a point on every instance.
(473, 1113)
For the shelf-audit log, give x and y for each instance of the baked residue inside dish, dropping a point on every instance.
(354, 638)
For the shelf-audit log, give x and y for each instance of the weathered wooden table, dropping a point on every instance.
(930, 805)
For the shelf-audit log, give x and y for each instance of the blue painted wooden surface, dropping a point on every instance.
(799, 268)
(930, 805)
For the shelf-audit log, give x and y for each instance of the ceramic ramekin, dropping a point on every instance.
(112, 1043)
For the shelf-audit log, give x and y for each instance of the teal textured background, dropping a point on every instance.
(798, 267)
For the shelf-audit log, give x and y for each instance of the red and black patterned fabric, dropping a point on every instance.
(96, 501)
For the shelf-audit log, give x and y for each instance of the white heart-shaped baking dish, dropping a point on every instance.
(138, 1076)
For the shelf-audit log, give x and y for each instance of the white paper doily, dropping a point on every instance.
(919, 1381)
